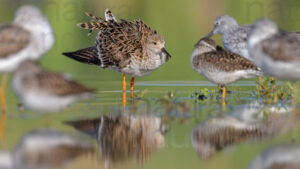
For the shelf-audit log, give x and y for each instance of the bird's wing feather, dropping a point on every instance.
(226, 61)
(59, 84)
(282, 47)
(118, 42)
(13, 39)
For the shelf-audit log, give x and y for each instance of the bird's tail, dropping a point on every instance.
(96, 23)
(87, 55)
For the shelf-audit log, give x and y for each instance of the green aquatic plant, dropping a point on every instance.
(200, 95)
(271, 93)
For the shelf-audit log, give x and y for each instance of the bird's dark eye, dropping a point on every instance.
(154, 43)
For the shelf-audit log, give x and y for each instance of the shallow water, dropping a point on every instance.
(157, 128)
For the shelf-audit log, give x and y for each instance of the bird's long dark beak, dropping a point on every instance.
(210, 34)
(163, 50)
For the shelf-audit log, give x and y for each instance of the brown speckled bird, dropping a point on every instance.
(122, 137)
(221, 66)
(45, 91)
(127, 47)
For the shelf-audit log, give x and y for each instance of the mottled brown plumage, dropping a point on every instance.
(125, 41)
(282, 47)
(117, 42)
(120, 45)
(122, 137)
(52, 82)
(220, 59)
(276, 52)
(221, 66)
(58, 84)
(219, 139)
(224, 61)
(46, 91)
(13, 39)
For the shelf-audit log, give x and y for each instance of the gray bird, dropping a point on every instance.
(275, 51)
(234, 36)
(284, 157)
(220, 66)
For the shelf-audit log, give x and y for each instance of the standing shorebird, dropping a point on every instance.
(276, 52)
(29, 36)
(234, 36)
(220, 66)
(127, 47)
(44, 91)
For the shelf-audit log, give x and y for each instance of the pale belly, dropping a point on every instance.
(224, 78)
(139, 69)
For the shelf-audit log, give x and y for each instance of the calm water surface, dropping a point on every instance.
(173, 124)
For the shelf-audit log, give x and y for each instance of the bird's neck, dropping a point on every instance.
(42, 36)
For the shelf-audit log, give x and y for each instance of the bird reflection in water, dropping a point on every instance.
(251, 123)
(278, 157)
(43, 149)
(123, 137)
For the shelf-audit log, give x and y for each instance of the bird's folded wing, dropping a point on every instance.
(59, 84)
(282, 47)
(13, 39)
(118, 42)
(228, 61)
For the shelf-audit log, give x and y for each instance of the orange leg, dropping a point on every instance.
(223, 94)
(223, 98)
(259, 83)
(2, 93)
(131, 87)
(124, 91)
(3, 108)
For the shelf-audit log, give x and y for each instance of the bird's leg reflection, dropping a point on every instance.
(131, 87)
(223, 98)
(2, 129)
(124, 91)
(259, 83)
(294, 109)
(223, 94)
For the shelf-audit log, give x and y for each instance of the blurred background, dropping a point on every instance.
(182, 23)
